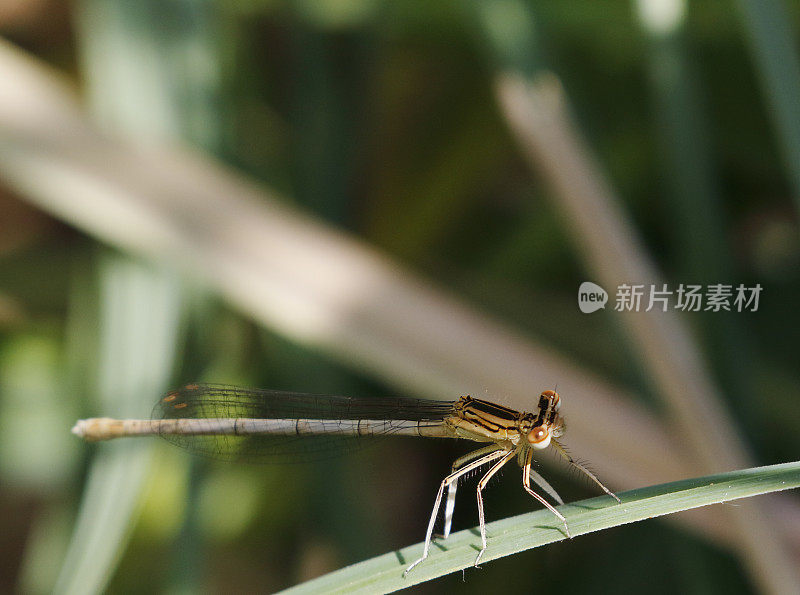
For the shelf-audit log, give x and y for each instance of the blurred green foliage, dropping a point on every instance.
(380, 118)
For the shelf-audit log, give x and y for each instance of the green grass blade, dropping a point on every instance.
(509, 536)
(140, 322)
(769, 27)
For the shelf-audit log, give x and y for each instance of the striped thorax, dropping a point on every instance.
(484, 421)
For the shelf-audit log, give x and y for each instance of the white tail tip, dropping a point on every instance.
(97, 428)
(79, 429)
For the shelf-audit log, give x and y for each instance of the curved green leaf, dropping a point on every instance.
(509, 536)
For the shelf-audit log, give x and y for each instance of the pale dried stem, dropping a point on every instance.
(538, 116)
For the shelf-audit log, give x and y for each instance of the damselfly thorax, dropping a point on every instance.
(260, 425)
(484, 421)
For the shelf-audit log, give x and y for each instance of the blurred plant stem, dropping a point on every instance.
(138, 321)
(135, 90)
(768, 27)
(692, 196)
(538, 114)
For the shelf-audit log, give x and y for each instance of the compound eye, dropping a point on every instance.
(539, 437)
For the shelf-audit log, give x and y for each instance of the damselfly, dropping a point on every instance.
(249, 424)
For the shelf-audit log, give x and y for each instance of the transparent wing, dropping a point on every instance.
(203, 401)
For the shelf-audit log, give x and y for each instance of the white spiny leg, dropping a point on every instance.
(482, 484)
(449, 507)
(450, 503)
(543, 483)
(453, 477)
(583, 469)
(526, 483)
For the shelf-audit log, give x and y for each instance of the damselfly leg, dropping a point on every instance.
(582, 469)
(450, 503)
(542, 483)
(482, 484)
(453, 477)
(526, 483)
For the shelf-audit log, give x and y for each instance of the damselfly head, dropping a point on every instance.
(548, 422)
